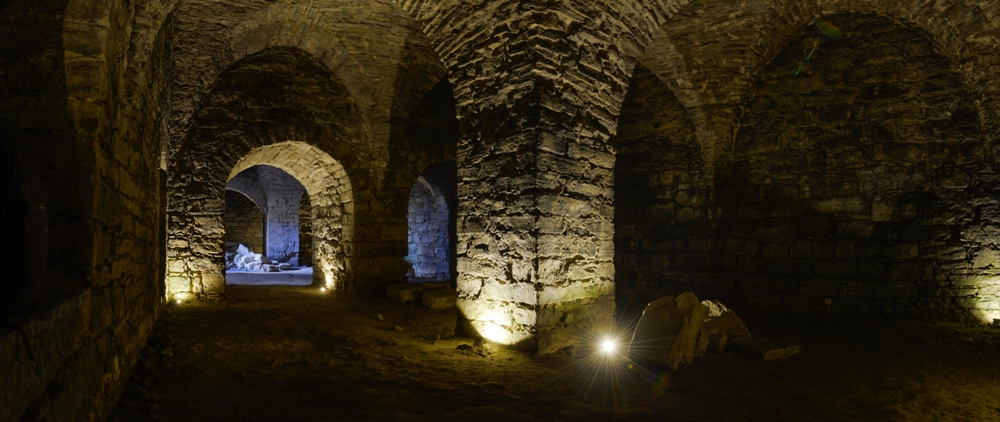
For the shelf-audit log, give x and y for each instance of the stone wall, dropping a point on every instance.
(866, 180)
(86, 84)
(296, 98)
(664, 238)
(305, 231)
(244, 221)
(863, 179)
(431, 220)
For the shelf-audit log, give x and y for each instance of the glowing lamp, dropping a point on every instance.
(322, 289)
(609, 346)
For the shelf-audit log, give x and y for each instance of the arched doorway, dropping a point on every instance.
(431, 224)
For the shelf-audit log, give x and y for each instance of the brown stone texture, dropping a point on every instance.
(667, 333)
(305, 231)
(606, 153)
(431, 223)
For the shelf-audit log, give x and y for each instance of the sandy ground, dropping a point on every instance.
(295, 354)
(297, 277)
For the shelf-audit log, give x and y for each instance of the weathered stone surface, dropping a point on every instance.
(413, 292)
(764, 349)
(244, 222)
(440, 299)
(866, 178)
(431, 216)
(721, 324)
(667, 332)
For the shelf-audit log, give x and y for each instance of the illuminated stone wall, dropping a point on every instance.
(296, 98)
(538, 91)
(244, 221)
(431, 220)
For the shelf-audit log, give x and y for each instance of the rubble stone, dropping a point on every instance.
(667, 332)
(413, 292)
(440, 299)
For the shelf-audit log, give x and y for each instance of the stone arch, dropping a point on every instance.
(851, 179)
(661, 198)
(267, 29)
(711, 38)
(281, 193)
(296, 99)
(431, 217)
(250, 188)
(332, 196)
(243, 221)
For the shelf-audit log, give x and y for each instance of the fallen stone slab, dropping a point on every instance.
(720, 325)
(269, 268)
(667, 332)
(284, 267)
(440, 299)
(413, 292)
(764, 348)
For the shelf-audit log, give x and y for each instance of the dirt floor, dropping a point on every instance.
(295, 354)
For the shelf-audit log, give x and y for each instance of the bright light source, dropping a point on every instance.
(322, 289)
(609, 346)
(179, 301)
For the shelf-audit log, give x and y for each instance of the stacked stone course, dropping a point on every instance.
(581, 183)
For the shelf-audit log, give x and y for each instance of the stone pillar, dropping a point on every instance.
(538, 92)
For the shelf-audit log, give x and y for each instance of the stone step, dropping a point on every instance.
(440, 299)
(413, 292)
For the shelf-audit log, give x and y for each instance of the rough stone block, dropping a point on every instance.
(667, 332)
(440, 299)
(720, 325)
(412, 292)
(763, 348)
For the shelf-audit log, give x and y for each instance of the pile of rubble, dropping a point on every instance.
(245, 259)
(675, 330)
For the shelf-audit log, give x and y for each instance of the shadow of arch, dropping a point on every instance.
(332, 197)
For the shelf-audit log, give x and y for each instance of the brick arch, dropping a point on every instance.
(332, 197)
